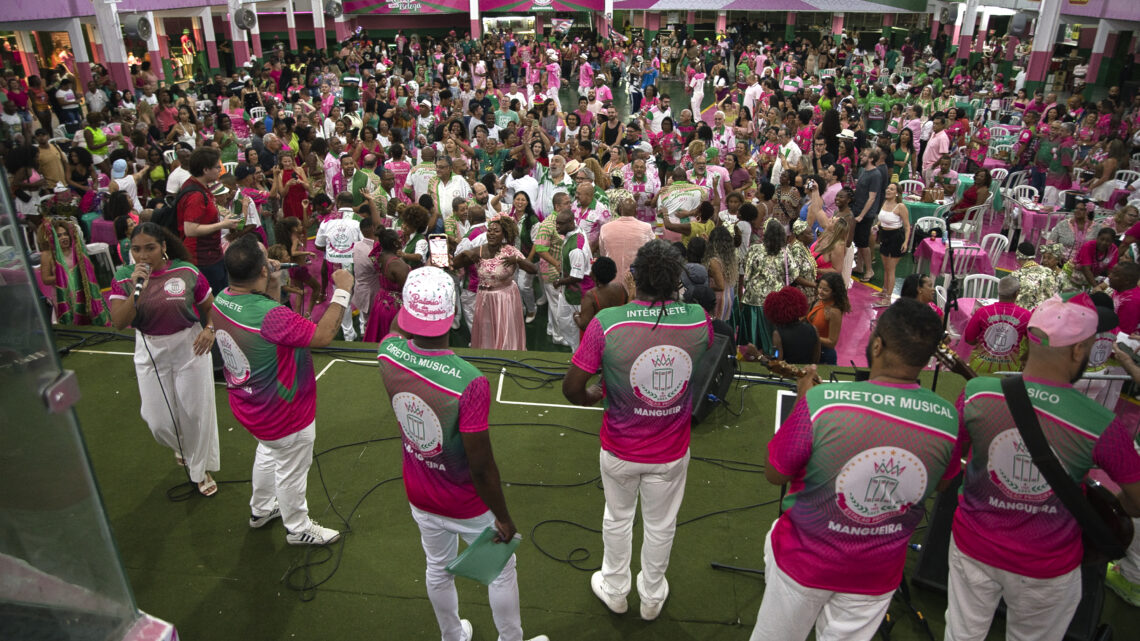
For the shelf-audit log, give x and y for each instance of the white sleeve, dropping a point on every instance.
(579, 263)
(322, 236)
(422, 248)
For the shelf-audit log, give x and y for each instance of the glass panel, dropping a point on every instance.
(60, 573)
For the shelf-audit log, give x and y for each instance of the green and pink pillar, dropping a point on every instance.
(1045, 33)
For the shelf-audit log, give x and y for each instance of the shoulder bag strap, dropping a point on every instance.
(1071, 496)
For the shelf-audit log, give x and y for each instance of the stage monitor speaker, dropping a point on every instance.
(712, 376)
(933, 570)
(1019, 25)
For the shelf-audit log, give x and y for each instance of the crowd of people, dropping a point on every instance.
(442, 183)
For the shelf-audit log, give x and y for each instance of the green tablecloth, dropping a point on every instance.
(965, 181)
(919, 209)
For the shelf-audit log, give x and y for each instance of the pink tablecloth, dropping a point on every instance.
(1036, 221)
(1118, 197)
(993, 163)
(934, 251)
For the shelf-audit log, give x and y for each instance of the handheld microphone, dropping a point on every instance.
(139, 282)
(281, 266)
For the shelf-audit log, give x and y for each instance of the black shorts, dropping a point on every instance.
(863, 231)
(891, 242)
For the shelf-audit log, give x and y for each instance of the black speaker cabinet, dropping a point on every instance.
(712, 376)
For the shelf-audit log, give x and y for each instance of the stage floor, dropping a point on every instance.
(197, 564)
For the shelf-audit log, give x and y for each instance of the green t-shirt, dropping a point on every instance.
(491, 162)
(504, 117)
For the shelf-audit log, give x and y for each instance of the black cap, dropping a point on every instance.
(244, 171)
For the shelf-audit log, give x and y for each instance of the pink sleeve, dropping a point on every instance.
(1128, 315)
(962, 445)
(283, 326)
(475, 405)
(790, 449)
(201, 289)
(1084, 255)
(1117, 452)
(117, 291)
(1133, 231)
(588, 358)
(973, 328)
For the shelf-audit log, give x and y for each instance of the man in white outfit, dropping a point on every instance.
(336, 237)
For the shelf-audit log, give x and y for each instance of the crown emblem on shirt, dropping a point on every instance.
(414, 409)
(890, 466)
(663, 360)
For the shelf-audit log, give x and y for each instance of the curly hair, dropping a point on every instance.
(838, 291)
(416, 217)
(657, 270)
(388, 240)
(786, 306)
(775, 237)
(510, 229)
(721, 246)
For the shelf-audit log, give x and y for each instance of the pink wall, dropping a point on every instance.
(304, 22)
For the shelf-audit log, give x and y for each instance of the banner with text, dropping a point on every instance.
(406, 6)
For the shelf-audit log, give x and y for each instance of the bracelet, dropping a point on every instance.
(340, 297)
(211, 328)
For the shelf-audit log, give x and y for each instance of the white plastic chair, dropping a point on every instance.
(998, 131)
(170, 155)
(100, 254)
(256, 114)
(998, 175)
(964, 263)
(994, 245)
(1135, 164)
(928, 224)
(940, 296)
(980, 286)
(970, 227)
(1024, 193)
(1127, 176)
(1006, 104)
(230, 167)
(995, 151)
(913, 187)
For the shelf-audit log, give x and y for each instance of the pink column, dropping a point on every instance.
(28, 60)
(121, 74)
(653, 22)
(84, 69)
(342, 30)
(322, 39)
(241, 52)
(256, 38)
(293, 39)
(888, 19)
(1011, 48)
(155, 57)
(164, 41)
(935, 26)
(212, 54)
(836, 24)
(721, 21)
(96, 50)
(538, 22)
(199, 40)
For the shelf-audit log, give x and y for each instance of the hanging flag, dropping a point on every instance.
(617, 36)
(561, 25)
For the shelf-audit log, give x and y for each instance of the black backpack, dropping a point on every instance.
(166, 215)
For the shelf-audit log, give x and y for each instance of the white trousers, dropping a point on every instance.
(564, 324)
(661, 486)
(525, 282)
(440, 538)
(188, 383)
(467, 302)
(346, 318)
(789, 610)
(552, 295)
(281, 471)
(695, 105)
(1036, 609)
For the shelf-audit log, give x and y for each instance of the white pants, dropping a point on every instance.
(281, 471)
(552, 296)
(1129, 566)
(1036, 609)
(661, 486)
(346, 318)
(848, 265)
(188, 383)
(564, 324)
(525, 282)
(789, 610)
(695, 105)
(440, 538)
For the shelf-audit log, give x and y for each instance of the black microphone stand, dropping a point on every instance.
(951, 302)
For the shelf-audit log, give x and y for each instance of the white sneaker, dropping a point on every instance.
(651, 610)
(256, 521)
(541, 637)
(468, 633)
(617, 605)
(313, 534)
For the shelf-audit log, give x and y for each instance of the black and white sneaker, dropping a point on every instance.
(313, 534)
(256, 521)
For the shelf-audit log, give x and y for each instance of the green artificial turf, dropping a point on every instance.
(197, 564)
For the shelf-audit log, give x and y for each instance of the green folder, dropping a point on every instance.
(484, 559)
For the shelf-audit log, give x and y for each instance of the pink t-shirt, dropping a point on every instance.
(1008, 517)
(169, 303)
(646, 354)
(862, 458)
(1127, 305)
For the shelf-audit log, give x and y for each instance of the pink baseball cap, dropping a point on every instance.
(429, 302)
(1064, 322)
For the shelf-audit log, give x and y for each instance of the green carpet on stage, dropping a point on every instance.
(197, 564)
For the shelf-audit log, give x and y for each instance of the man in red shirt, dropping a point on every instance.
(199, 224)
(1126, 295)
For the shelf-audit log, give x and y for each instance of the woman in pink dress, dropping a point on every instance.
(392, 272)
(400, 167)
(498, 306)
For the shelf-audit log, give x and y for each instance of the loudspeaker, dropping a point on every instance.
(712, 376)
(933, 571)
(1019, 25)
